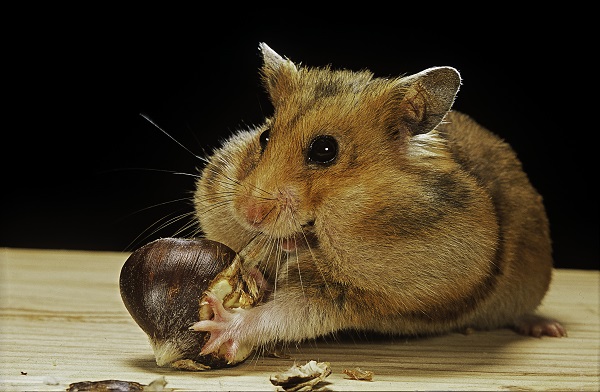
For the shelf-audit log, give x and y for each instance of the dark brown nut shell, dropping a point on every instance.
(162, 285)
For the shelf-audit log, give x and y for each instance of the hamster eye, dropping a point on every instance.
(323, 150)
(264, 139)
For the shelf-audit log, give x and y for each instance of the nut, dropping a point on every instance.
(163, 284)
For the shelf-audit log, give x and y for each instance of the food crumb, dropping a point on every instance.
(157, 385)
(189, 364)
(359, 374)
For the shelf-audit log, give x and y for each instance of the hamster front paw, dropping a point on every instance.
(226, 332)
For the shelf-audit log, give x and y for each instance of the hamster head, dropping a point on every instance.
(327, 163)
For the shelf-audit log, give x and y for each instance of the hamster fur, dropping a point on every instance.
(367, 204)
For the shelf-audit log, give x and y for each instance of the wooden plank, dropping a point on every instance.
(62, 321)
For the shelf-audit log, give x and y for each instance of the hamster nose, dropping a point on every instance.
(275, 212)
(256, 212)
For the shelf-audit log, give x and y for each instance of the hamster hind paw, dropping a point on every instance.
(538, 326)
(222, 328)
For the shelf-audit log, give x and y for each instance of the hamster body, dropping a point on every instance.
(368, 204)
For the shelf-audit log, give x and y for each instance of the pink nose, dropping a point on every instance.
(257, 212)
(276, 208)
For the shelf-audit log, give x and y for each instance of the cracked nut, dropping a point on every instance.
(163, 284)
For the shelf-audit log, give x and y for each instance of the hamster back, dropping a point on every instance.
(367, 203)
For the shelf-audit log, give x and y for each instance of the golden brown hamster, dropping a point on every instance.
(366, 204)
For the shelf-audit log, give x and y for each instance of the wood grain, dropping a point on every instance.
(62, 321)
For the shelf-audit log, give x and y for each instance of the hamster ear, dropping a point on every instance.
(277, 72)
(429, 96)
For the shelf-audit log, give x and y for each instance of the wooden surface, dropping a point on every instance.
(63, 321)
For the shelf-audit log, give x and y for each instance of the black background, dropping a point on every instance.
(76, 151)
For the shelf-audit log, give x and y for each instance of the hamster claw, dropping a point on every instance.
(221, 328)
(538, 326)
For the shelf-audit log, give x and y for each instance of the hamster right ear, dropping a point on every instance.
(277, 73)
(429, 95)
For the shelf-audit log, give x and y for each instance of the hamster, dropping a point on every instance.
(368, 204)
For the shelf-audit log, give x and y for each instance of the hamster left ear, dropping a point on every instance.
(276, 72)
(429, 96)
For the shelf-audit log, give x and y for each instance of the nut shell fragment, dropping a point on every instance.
(119, 386)
(359, 374)
(106, 385)
(301, 378)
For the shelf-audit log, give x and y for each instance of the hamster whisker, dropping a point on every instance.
(171, 221)
(299, 269)
(192, 224)
(219, 197)
(153, 170)
(158, 205)
(265, 246)
(232, 184)
(272, 197)
(217, 205)
(257, 220)
(272, 247)
(160, 224)
(203, 159)
(314, 259)
(220, 177)
(259, 241)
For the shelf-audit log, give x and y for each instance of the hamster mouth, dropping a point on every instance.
(302, 240)
(289, 244)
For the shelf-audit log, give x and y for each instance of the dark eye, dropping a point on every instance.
(264, 139)
(323, 149)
